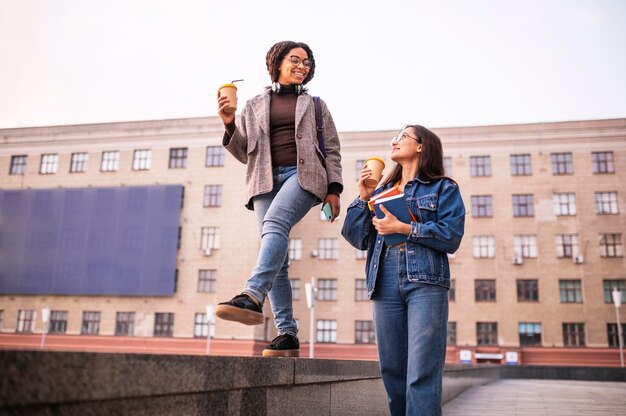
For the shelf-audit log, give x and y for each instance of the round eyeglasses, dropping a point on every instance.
(295, 61)
(397, 139)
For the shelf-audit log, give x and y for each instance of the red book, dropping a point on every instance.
(394, 190)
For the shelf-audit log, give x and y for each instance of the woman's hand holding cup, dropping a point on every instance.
(365, 189)
(223, 104)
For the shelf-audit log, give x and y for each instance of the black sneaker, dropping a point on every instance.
(283, 346)
(241, 309)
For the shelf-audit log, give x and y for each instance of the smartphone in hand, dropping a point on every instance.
(328, 211)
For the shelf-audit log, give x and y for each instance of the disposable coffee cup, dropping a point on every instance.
(229, 90)
(377, 165)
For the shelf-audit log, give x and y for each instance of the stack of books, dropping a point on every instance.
(393, 200)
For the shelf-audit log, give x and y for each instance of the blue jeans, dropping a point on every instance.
(410, 319)
(277, 212)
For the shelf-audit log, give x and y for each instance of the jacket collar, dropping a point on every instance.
(261, 109)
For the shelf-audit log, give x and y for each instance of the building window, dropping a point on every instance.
(527, 290)
(125, 324)
(562, 163)
(611, 245)
(606, 203)
(573, 334)
(485, 290)
(360, 254)
(523, 205)
(201, 326)
(18, 165)
(210, 239)
(328, 248)
(26, 320)
(78, 162)
(178, 158)
(486, 333)
(163, 324)
(326, 330)
(529, 333)
(326, 289)
(525, 246)
(564, 204)
(480, 165)
(481, 206)
(609, 284)
(295, 249)
(364, 332)
(214, 156)
(483, 247)
(207, 280)
(566, 245)
(58, 322)
(602, 162)
(213, 196)
(570, 291)
(520, 165)
(360, 290)
(110, 161)
(295, 288)
(49, 164)
(447, 166)
(451, 335)
(359, 166)
(611, 330)
(452, 291)
(91, 323)
(142, 159)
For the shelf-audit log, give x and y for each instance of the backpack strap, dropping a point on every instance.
(319, 124)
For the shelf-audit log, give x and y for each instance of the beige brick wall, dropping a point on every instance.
(239, 236)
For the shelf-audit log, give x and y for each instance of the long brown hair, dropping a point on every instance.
(430, 166)
(277, 53)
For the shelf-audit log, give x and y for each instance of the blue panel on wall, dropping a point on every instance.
(90, 241)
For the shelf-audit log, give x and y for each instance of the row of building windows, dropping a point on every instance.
(483, 246)
(530, 334)
(567, 246)
(520, 164)
(563, 204)
(561, 163)
(326, 329)
(570, 290)
(110, 160)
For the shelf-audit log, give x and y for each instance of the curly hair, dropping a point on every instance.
(278, 52)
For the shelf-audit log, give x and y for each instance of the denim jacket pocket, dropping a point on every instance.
(425, 207)
(425, 264)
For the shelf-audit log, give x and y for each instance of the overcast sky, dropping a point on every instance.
(380, 64)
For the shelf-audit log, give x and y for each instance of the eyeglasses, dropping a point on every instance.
(397, 139)
(295, 61)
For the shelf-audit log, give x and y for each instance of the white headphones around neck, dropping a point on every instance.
(276, 88)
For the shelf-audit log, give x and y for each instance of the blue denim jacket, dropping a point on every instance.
(440, 213)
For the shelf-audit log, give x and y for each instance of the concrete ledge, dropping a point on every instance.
(68, 383)
(564, 373)
(79, 383)
(457, 378)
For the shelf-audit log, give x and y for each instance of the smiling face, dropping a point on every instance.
(406, 146)
(290, 73)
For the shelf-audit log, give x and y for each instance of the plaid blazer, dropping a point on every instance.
(250, 144)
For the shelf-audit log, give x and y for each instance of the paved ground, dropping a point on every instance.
(540, 397)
